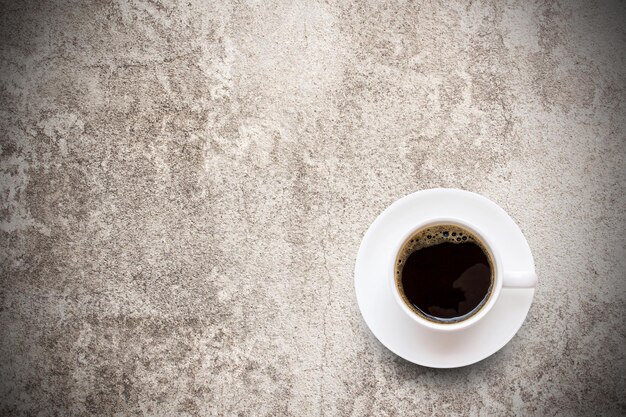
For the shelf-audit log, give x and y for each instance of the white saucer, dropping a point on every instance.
(402, 335)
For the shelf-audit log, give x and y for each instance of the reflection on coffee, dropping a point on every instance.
(444, 273)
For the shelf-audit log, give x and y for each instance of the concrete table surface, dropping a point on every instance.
(184, 187)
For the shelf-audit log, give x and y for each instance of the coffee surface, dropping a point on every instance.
(444, 273)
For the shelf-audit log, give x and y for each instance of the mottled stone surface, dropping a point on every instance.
(184, 187)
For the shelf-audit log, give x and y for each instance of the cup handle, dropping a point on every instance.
(519, 279)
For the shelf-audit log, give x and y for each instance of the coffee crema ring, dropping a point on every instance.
(444, 273)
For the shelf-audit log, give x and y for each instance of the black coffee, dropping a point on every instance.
(444, 273)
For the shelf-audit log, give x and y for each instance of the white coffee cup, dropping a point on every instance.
(501, 278)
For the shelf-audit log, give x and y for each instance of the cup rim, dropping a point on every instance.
(493, 296)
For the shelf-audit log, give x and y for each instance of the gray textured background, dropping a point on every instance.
(184, 188)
